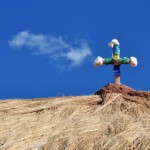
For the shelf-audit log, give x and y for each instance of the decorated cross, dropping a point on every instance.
(116, 61)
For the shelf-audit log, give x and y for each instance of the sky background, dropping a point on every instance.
(47, 47)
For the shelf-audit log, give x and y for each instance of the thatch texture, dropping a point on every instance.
(112, 121)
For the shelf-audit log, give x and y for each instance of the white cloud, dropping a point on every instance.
(53, 47)
(78, 55)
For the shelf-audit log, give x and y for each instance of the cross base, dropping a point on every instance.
(117, 80)
(117, 73)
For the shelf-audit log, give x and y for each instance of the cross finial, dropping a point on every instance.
(116, 61)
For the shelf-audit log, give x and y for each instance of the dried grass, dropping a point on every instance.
(76, 123)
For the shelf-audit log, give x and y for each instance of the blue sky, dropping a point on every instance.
(47, 47)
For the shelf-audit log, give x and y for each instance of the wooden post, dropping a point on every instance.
(117, 79)
(117, 72)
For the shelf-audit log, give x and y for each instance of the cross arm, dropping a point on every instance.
(123, 60)
(106, 61)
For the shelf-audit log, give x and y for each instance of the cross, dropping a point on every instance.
(116, 61)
